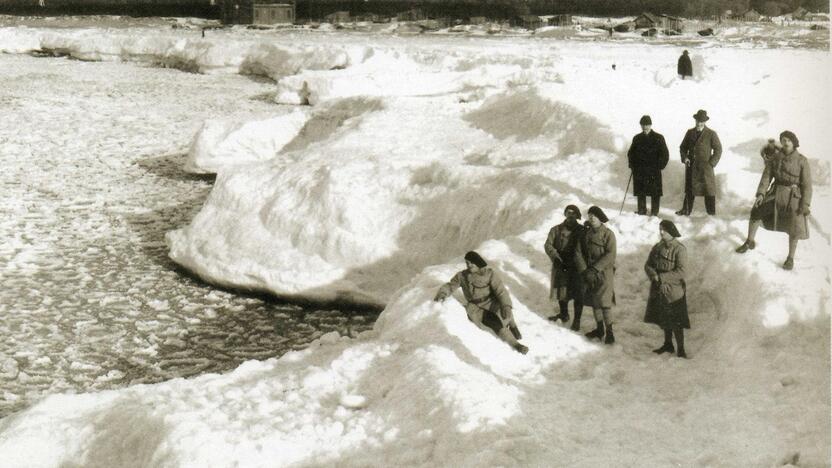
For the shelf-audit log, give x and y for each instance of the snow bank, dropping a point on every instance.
(222, 142)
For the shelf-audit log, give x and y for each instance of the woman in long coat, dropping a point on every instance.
(488, 303)
(595, 261)
(667, 304)
(564, 282)
(783, 196)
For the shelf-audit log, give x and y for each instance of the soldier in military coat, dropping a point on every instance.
(784, 195)
(488, 303)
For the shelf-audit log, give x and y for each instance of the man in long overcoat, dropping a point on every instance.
(783, 195)
(595, 262)
(647, 157)
(565, 283)
(683, 66)
(700, 150)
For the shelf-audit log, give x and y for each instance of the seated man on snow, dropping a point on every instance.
(487, 301)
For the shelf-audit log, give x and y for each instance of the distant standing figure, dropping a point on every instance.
(667, 304)
(565, 282)
(683, 66)
(647, 157)
(595, 261)
(700, 150)
(783, 195)
(488, 303)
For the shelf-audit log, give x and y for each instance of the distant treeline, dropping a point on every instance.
(495, 9)
(139, 8)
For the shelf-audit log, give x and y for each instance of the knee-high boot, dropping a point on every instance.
(680, 342)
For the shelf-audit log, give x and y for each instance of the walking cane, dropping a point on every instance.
(625, 192)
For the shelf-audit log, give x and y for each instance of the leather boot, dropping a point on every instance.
(597, 333)
(610, 338)
(564, 312)
(667, 347)
(576, 321)
(746, 246)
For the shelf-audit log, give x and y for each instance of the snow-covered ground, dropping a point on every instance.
(415, 150)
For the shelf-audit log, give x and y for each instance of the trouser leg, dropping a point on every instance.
(710, 204)
(668, 337)
(576, 320)
(506, 335)
(655, 202)
(680, 342)
(641, 201)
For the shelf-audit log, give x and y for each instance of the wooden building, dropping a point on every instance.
(257, 11)
(647, 20)
(530, 22)
(560, 20)
(337, 17)
(414, 14)
(749, 15)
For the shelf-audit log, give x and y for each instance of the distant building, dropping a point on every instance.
(749, 15)
(560, 20)
(257, 11)
(413, 14)
(478, 20)
(338, 17)
(527, 21)
(649, 20)
(672, 23)
(799, 14)
(816, 17)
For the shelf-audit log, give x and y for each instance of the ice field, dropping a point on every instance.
(358, 168)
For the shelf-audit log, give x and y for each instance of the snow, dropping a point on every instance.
(445, 145)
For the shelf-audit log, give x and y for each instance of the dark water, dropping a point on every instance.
(92, 181)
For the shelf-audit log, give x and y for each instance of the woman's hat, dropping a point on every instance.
(791, 136)
(475, 258)
(645, 120)
(667, 226)
(574, 209)
(598, 213)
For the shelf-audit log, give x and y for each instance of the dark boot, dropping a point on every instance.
(680, 343)
(610, 338)
(576, 321)
(597, 333)
(667, 347)
(564, 312)
(520, 348)
(788, 264)
(746, 246)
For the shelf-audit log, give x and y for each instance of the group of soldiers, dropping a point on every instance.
(583, 255)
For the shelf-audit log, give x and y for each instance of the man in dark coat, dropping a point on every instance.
(647, 157)
(565, 283)
(701, 150)
(684, 67)
(667, 304)
(595, 262)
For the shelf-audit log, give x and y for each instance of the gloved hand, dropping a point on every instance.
(687, 162)
(804, 211)
(440, 296)
(665, 289)
(758, 200)
(654, 278)
(505, 312)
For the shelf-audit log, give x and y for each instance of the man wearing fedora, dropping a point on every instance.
(647, 157)
(700, 151)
